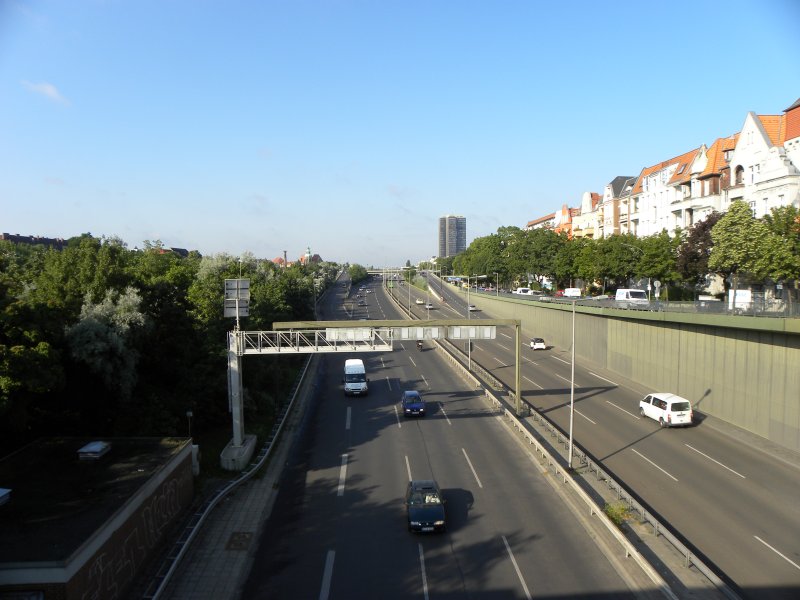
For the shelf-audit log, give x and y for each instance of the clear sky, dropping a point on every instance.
(351, 126)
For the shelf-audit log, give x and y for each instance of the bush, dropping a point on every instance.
(618, 512)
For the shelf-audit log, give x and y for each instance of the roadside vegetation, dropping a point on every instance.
(100, 340)
(736, 246)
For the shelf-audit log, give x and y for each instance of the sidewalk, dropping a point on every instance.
(218, 561)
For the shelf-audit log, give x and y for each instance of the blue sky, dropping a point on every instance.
(351, 126)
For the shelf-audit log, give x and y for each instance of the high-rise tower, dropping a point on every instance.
(452, 235)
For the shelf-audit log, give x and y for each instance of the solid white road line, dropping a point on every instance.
(422, 568)
(516, 568)
(716, 461)
(783, 556)
(347, 420)
(585, 417)
(441, 406)
(637, 417)
(397, 416)
(655, 465)
(342, 475)
(327, 575)
(604, 379)
(533, 382)
(469, 462)
(408, 468)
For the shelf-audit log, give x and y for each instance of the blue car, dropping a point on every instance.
(413, 404)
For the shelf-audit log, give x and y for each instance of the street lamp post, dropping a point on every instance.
(572, 390)
(497, 284)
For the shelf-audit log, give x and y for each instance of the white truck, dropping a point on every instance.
(628, 298)
(355, 378)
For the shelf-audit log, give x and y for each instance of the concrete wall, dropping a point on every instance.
(744, 370)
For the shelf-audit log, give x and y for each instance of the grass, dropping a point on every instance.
(618, 512)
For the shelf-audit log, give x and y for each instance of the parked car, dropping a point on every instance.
(425, 507)
(412, 404)
(538, 344)
(670, 410)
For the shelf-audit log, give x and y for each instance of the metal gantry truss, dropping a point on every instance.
(307, 341)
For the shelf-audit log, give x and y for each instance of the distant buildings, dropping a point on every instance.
(452, 235)
(760, 165)
(35, 240)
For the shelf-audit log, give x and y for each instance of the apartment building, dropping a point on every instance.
(759, 165)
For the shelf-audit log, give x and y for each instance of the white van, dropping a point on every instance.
(522, 290)
(668, 409)
(355, 378)
(627, 298)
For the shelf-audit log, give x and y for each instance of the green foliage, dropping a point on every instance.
(101, 340)
(695, 249)
(357, 273)
(737, 238)
(618, 512)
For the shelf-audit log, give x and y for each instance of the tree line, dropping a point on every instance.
(734, 245)
(100, 340)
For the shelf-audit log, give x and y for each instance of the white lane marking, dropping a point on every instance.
(422, 568)
(469, 462)
(623, 410)
(585, 417)
(566, 362)
(425, 380)
(383, 364)
(389, 383)
(533, 382)
(565, 379)
(397, 416)
(655, 465)
(327, 575)
(716, 461)
(504, 347)
(604, 379)
(412, 361)
(498, 360)
(347, 420)
(516, 568)
(441, 406)
(505, 335)
(408, 468)
(783, 556)
(342, 475)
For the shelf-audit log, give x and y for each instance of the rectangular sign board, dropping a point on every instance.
(231, 305)
(417, 333)
(472, 332)
(237, 288)
(360, 334)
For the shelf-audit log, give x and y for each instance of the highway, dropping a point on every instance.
(338, 526)
(738, 505)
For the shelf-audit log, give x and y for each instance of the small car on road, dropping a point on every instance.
(670, 410)
(425, 507)
(412, 404)
(538, 344)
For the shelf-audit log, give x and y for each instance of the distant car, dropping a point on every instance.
(538, 344)
(472, 308)
(362, 303)
(412, 404)
(428, 305)
(419, 301)
(669, 410)
(425, 507)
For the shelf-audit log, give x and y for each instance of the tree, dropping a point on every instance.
(658, 261)
(695, 250)
(737, 240)
(781, 257)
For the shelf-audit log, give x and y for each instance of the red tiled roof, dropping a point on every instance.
(549, 217)
(775, 126)
(685, 158)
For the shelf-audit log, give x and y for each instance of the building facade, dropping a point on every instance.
(452, 235)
